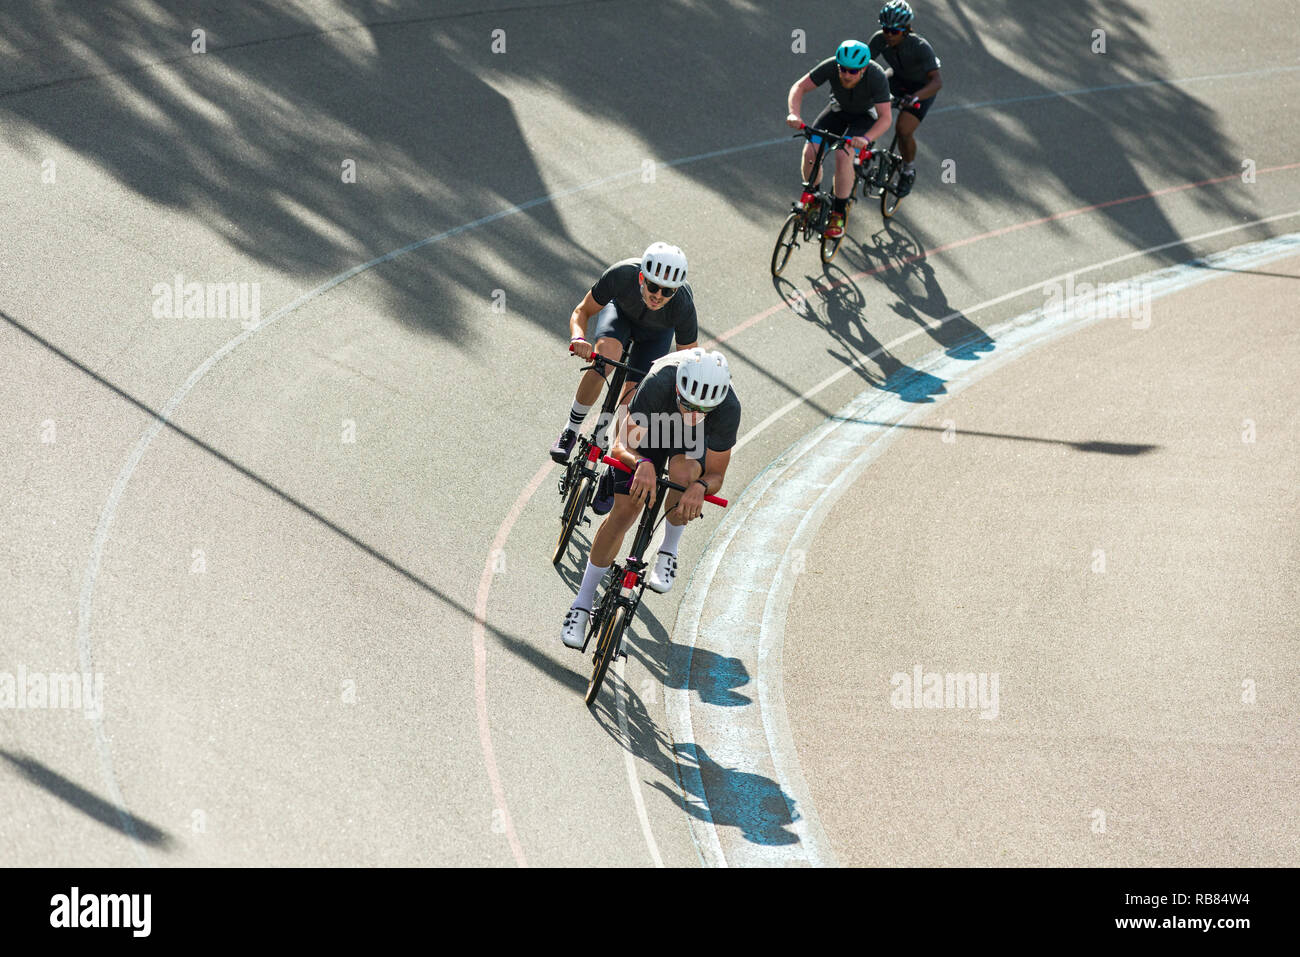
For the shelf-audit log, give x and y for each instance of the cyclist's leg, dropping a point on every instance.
(609, 333)
(647, 348)
(807, 171)
(604, 549)
(835, 121)
(908, 120)
(844, 160)
(683, 470)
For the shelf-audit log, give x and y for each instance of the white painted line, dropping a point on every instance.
(937, 323)
(109, 511)
(632, 781)
(750, 612)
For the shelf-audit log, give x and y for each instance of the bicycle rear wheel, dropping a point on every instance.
(889, 198)
(611, 634)
(785, 243)
(575, 506)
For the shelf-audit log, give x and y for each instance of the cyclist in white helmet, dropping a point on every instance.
(645, 301)
(685, 414)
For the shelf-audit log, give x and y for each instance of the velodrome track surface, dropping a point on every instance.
(322, 651)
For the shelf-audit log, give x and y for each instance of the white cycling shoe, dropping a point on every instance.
(574, 632)
(664, 573)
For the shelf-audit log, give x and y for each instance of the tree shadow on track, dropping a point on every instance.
(249, 137)
(249, 141)
(94, 807)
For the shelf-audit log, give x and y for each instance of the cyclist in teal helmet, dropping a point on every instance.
(859, 107)
(914, 78)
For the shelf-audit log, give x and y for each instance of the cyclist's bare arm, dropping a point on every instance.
(578, 320)
(884, 116)
(626, 440)
(794, 100)
(931, 88)
(715, 470)
(691, 504)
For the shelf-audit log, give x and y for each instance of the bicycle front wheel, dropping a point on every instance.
(611, 635)
(785, 243)
(575, 506)
(831, 246)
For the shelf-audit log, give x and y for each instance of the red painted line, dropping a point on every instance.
(479, 633)
(503, 533)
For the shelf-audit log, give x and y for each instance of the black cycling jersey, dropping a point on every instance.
(912, 60)
(862, 98)
(657, 394)
(619, 284)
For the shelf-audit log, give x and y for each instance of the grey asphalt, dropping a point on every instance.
(280, 589)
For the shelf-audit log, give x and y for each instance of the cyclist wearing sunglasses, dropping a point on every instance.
(913, 76)
(647, 300)
(859, 106)
(686, 414)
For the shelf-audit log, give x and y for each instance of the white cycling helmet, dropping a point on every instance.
(664, 265)
(703, 378)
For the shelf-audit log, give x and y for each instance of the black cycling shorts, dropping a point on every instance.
(658, 457)
(648, 345)
(901, 89)
(841, 123)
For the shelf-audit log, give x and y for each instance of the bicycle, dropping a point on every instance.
(880, 178)
(625, 584)
(578, 480)
(810, 215)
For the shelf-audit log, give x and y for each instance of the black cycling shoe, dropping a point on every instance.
(905, 180)
(603, 500)
(563, 446)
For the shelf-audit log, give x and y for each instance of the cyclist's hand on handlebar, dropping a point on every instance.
(792, 120)
(860, 143)
(691, 505)
(643, 483)
(581, 348)
(907, 102)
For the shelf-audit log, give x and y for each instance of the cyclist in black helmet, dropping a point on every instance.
(914, 76)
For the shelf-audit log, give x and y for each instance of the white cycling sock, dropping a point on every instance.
(909, 168)
(576, 415)
(672, 535)
(590, 581)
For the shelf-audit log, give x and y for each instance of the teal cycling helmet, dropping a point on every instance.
(853, 54)
(895, 15)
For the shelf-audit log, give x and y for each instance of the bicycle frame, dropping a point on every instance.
(628, 580)
(590, 447)
(578, 480)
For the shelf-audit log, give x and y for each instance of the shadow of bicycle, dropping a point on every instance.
(894, 255)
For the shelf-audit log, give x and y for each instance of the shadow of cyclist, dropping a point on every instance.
(837, 304)
(893, 255)
(697, 784)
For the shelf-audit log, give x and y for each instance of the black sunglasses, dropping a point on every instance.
(851, 71)
(654, 290)
(692, 408)
(891, 30)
